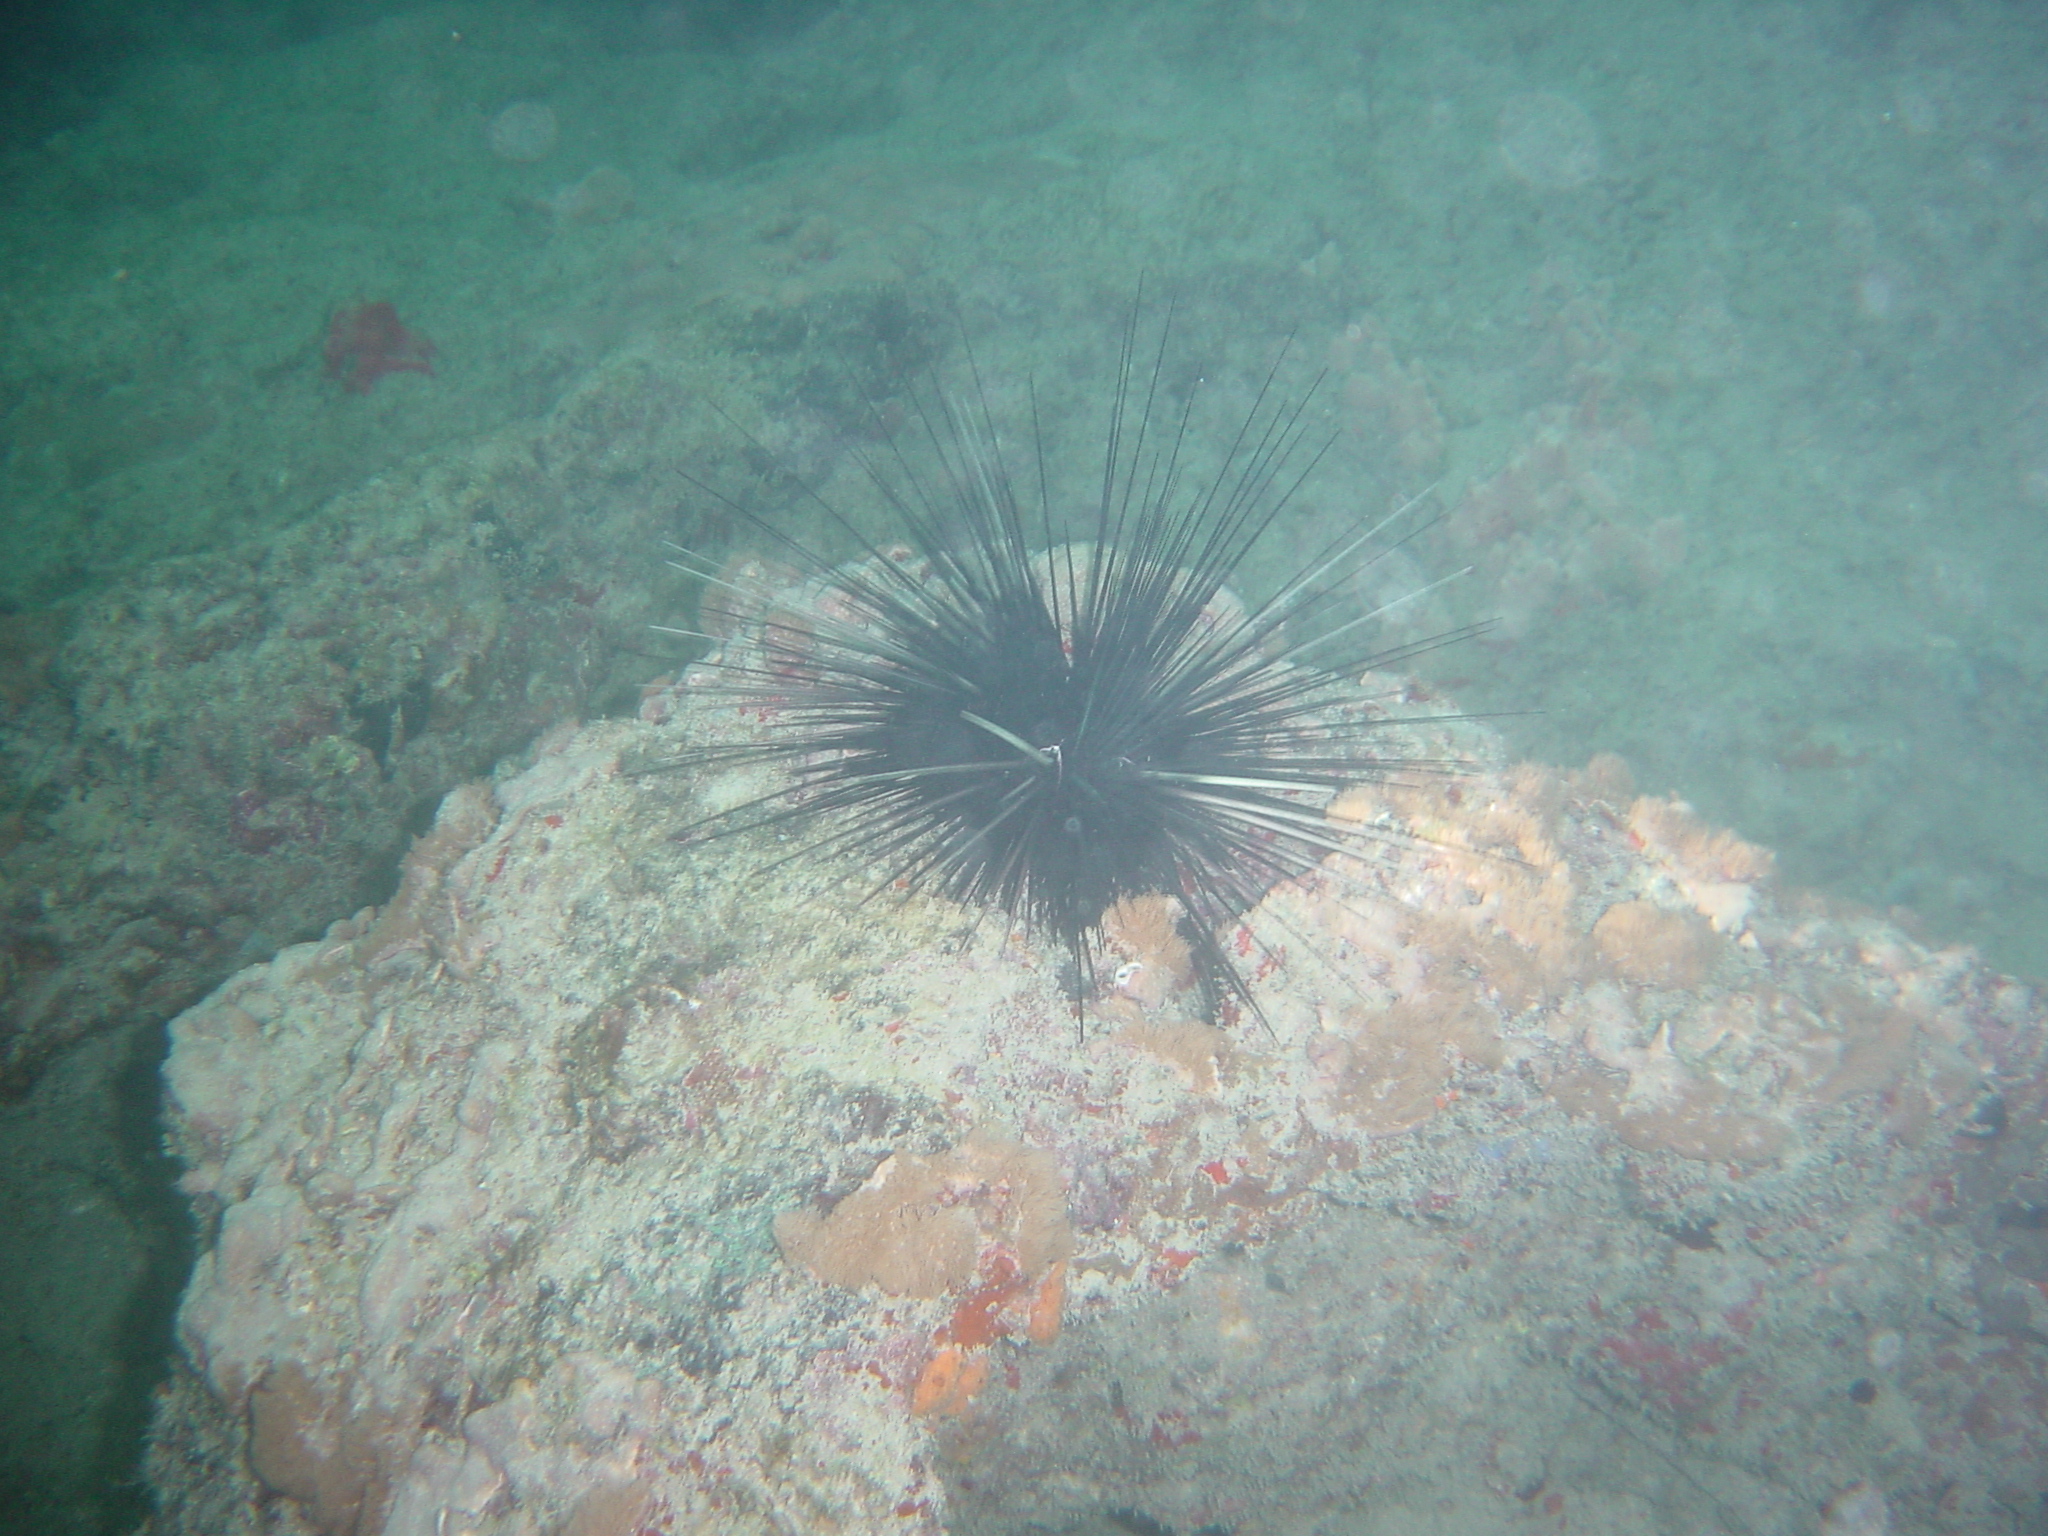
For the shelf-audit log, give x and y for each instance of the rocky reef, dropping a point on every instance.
(606, 1181)
(219, 755)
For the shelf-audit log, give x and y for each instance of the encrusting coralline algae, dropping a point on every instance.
(605, 1182)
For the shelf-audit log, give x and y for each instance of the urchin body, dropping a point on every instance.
(1030, 750)
(1045, 725)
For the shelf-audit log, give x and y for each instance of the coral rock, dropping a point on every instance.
(486, 1179)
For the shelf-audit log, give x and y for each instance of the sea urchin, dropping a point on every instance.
(1045, 716)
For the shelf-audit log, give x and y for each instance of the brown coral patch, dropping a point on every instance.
(1144, 933)
(1383, 401)
(1657, 947)
(1529, 953)
(610, 1509)
(305, 1444)
(1670, 831)
(1388, 1074)
(1605, 779)
(918, 1225)
(1519, 977)
(1195, 1049)
(1384, 1084)
(1878, 1043)
(1513, 820)
(1717, 870)
(1696, 1122)
(1517, 930)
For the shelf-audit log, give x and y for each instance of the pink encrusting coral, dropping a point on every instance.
(1560, 1112)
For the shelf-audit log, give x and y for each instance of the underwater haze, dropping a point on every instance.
(356, 359)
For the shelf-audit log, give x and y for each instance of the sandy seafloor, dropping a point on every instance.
(1715, 329)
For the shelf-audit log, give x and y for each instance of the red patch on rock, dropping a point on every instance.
(369, 341)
